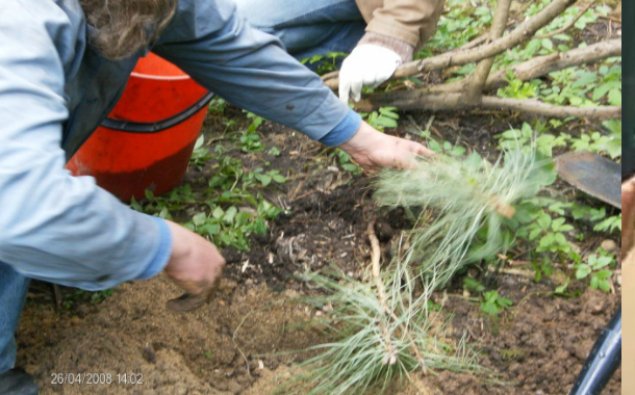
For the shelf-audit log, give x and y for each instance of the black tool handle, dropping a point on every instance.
(603, 360)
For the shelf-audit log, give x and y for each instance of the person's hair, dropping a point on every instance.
(123, 27)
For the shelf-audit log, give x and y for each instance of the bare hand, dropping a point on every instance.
(373, 150)
(195, 265)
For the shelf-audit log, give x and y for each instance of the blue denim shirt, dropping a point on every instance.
(55, 89)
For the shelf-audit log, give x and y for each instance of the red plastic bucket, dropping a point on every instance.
(148, 138)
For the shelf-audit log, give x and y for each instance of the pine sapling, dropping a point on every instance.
(384, 326)
(460, 200)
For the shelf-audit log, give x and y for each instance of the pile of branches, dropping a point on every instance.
(473, 92)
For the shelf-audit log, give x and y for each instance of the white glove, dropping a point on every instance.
(368, 64)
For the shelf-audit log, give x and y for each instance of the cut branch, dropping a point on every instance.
(542, 65)
(521, 33)
(414, 100)
(474, 86)
(536, 107)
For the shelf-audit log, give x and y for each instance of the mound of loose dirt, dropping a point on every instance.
(217, 349)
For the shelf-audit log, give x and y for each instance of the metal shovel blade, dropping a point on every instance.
(592, 174)
(600, 178)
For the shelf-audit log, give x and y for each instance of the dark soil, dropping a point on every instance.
(248, 339)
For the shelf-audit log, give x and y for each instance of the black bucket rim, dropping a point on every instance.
(158, 126)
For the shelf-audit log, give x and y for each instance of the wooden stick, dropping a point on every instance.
(414, 100)
(536, 107)
(543, 65)
(475, 83)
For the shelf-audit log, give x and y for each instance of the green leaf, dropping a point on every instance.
(230, 214)
(601, 280)
(279, 178)
(260, 226)
(585, 79)
(274, 151)
(582, 271)
(199, 219)
(600, 91)
(547, 44)
(544, 173)
(562, 288)
(504, 302)
(615, 97)
(210, 229)
(599, 262)
(264, 179)
(544, 220)
(473, 285)
(218, 213)
(490, 308)
(434, 146)
(350, 167)
(134, 204)
(610, 224)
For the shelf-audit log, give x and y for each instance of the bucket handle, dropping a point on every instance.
(143, 127)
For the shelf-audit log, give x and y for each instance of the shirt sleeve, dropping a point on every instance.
(249, 68)
(411, 21)
(53, 226)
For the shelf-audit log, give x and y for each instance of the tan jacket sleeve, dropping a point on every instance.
(410, 21)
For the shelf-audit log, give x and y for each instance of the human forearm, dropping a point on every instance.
(250, 69)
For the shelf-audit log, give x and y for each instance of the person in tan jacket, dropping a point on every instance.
(379, 34)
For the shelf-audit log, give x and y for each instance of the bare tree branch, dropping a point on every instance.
(543, 65)
(474, 86)
(536, 107)
(454, 101)
(415, 100)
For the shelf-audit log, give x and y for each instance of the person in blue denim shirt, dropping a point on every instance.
(63, 65)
